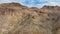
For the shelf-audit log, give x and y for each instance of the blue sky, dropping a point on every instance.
(35, 3)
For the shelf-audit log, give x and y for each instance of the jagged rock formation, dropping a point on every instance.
(18, 19)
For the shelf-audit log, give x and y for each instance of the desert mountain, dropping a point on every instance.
(18, 19)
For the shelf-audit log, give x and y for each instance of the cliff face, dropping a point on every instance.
(19, 19)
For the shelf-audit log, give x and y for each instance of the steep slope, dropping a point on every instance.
(18, 19)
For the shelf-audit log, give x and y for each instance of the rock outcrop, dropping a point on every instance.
(18, 19)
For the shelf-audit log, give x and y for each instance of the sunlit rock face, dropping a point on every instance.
(18, 19)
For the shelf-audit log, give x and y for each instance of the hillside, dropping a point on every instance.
(18, 19)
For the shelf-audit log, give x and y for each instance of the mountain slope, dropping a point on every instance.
(18, 19)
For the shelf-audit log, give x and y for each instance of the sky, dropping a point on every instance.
(34, 3)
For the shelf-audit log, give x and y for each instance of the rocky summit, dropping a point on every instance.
(18, 19)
